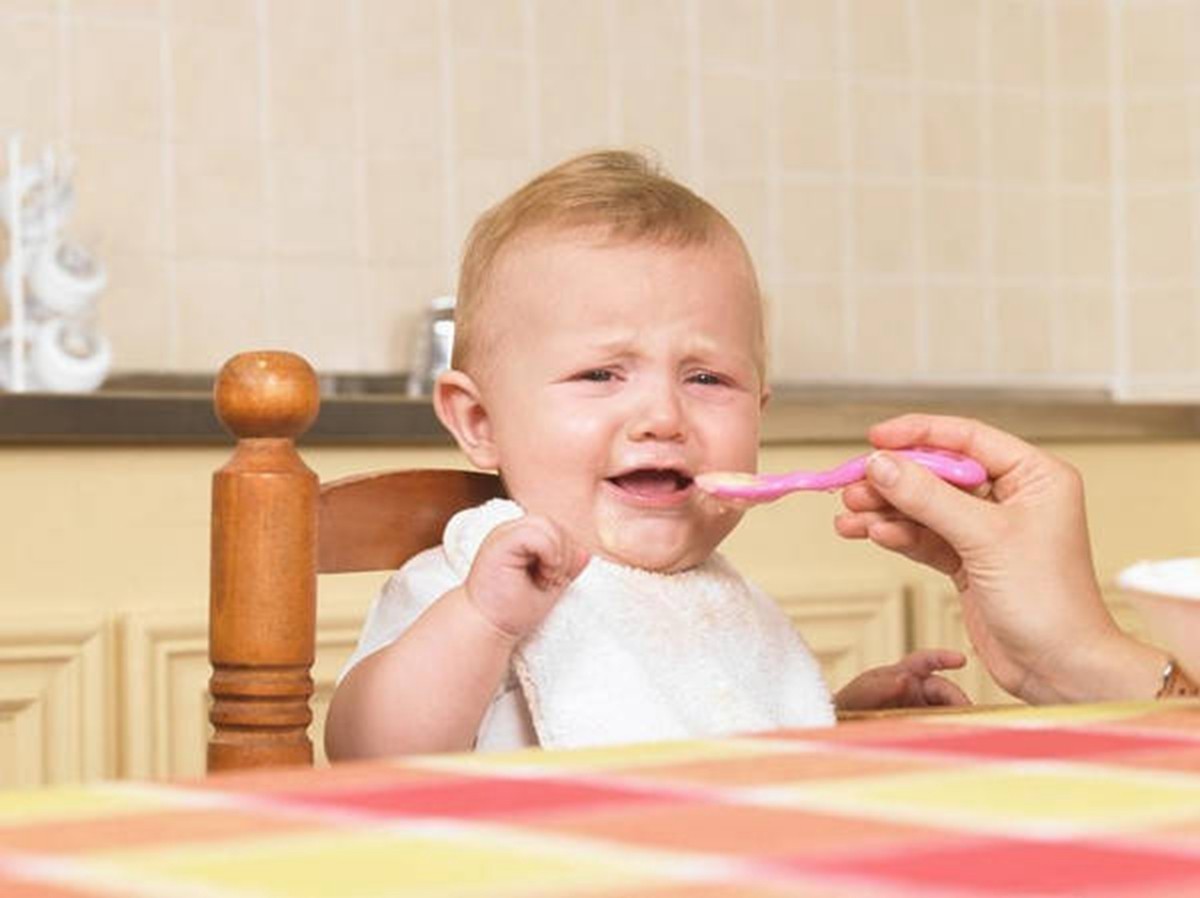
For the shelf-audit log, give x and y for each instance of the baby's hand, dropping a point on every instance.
(520, 571)
(910, 682)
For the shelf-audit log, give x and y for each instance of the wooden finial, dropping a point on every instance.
(262, 611)
(266, 393)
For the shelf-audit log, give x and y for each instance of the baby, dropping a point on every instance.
(609, 346)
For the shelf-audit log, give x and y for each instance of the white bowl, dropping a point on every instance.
(1167, 595)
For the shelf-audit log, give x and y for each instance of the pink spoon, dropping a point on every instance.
(950, 466)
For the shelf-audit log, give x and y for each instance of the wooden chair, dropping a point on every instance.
(274, 528)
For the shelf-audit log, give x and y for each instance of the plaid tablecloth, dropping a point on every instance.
(1098, 800)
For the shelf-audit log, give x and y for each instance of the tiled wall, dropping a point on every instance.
(948, 191)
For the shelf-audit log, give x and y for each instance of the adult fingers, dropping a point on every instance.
(959, 518)
(999, 452)
(915, 542)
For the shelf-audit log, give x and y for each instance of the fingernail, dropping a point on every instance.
(882, 470)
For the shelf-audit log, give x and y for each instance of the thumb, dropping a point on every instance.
(956, 516)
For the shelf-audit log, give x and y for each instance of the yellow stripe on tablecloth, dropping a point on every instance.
(372, 864)
(26, 806)
(1066, 715)
(1003, 795)
(600, 758)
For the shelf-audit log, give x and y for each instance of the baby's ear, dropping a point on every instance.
(459, 406)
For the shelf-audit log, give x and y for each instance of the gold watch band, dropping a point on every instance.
(1175, 682)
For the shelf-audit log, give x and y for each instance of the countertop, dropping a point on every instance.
(143, 409)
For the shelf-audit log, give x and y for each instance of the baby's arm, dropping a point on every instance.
(428, 690)
(910, 682)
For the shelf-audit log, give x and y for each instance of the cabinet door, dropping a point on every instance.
(165, 671)
(938, 624)
(849, 628)
(56, 705)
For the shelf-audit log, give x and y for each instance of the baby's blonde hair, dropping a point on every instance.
(623, 193)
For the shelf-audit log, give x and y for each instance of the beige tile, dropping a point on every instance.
(886, 343)
(957, 333)
(810, 133)
(121, 196)
(733, 109)
(806, 334)
(950, 134)
(1018, 43)
(313, 214)
(1020, 149)
(29, 48)
(402, 94)
(222, 311)
(1163, 335)
(654, 114)
(574, 110)
(575, 33)
(396, 298)
(405, 211)
(1085, 236)
(490, 107)
(1082, 35)
(651, 37)
(219, 200)
(732, 33)
(883, 129)
(134, 311)
(1154, 46)
(953, 240)
(215, 81)
(1024, 330)
(317, 310)
(144, 10)
(1084, 143)
(310, 74)
(399, 25)
(879, 38)
(1087, 341)
(116, 81)
(1158, 147)
(806, 36)
(949, 40)
(30, 7)
(744, 202)
(493, 25)
(810, 232)
(883, 218)
(1159, 228)
(235, 14)
(1022, 233)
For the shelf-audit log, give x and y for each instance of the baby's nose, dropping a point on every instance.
(659, 416)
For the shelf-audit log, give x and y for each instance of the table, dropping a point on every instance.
(1083, 800)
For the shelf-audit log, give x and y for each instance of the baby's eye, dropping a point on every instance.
(707, 378)
(596, 375)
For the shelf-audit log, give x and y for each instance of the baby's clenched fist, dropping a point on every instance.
(522, 568)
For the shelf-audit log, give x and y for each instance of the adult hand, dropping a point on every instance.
(1020, 558)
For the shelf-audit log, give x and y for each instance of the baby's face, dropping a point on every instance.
(618, 372)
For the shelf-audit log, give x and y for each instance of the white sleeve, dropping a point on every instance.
(420, 582)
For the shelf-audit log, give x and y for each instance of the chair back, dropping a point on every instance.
(274, 528)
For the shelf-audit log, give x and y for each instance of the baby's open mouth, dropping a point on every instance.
(652, 481)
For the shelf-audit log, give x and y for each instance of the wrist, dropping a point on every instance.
(1112, 667)
(473, 611)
